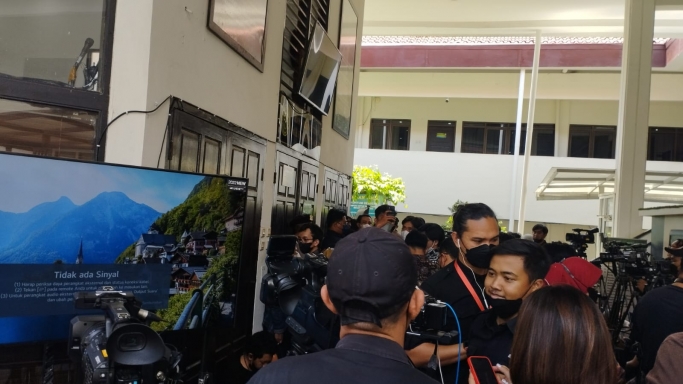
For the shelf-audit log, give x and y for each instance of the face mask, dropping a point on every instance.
(404, 234)
(432, 254)
(387, 227)
(504, 309)
(365, 226)
(479, 257)
(346, 229)
(305, 247)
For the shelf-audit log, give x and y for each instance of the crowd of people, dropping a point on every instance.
(521, 302)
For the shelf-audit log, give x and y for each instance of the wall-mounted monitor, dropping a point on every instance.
(70, 226)
(321, 68)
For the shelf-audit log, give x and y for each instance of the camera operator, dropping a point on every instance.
(309, 237)
(461, 283)
(385, 217)
(371, 286)
(658, 314)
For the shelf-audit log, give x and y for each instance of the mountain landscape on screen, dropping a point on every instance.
(53, 231)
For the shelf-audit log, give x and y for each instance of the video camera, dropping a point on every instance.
(293, 283)
(634, 260)
(580, 238)
(118, 347)
(431, 326)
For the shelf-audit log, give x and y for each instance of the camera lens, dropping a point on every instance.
(134, 341)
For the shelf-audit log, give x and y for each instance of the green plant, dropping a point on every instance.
(370, 184)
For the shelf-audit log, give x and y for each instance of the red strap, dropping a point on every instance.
(469, 286)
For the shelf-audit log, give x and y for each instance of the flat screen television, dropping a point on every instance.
(320, 70)
(68, 226)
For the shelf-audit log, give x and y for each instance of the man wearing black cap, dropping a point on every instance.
(658, 314)
(371, 285)
(385, 217)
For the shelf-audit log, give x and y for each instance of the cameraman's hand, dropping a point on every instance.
(448, 354)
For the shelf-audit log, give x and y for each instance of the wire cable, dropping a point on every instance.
(457, 322)
(104, 132)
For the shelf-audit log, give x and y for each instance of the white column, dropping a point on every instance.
(634, 113)
(529, 132)
(515, 156)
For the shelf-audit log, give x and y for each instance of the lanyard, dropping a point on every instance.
(469, 286)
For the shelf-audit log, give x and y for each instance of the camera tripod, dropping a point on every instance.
(617, 299)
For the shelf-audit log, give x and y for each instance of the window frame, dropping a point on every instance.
(41, 92)
(441, 124)
(677, 143)
(591, 130)
(387, 142)
(508, 129)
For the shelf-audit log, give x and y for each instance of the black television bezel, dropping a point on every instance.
(230, 330)
(300, 80)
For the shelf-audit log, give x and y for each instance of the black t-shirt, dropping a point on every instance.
(447, 286)
(235, 373)
(488, 338)
(330, 240)
(657, 315)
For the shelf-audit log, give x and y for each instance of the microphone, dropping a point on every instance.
(72, 74)
(147, 315)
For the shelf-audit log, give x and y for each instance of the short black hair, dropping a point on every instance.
(449, 247)
(333, 216)
(473, 211)
(316, 231)
(407, 219)
(536, 260)
(298, 220)
(417, 239)
(417, 222)
(261, 343)
(540, 227)
(505, 236)
(433, 232)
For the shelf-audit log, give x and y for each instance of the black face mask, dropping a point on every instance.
(504, 309)
(305, 247)
(479, 257)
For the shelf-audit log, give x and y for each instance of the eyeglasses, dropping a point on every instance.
(304, 240)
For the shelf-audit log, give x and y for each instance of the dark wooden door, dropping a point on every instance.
(286, 185)
(245, 159)
(308, 182)
(201, 143)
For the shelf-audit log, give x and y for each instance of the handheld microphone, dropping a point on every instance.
(72, 74)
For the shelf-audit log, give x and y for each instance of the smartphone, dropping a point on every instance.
(482, 370)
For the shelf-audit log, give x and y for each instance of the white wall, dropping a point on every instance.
(434, 181)
(562, 113)
(164, 47)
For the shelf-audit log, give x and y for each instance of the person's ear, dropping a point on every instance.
(417, 300)
(456, 239)
(327, 300)
(536, 285)
(315, 243)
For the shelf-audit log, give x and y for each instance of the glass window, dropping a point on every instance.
(662, 144)
(440, 136)
(53, 40)
(499, 138)
(390, 134)
(44, 130)
(592, 141)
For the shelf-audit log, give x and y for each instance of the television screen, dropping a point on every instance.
(70, 226)
(320, 70)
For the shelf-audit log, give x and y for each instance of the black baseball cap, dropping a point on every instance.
(370, 276)
(389, 209)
